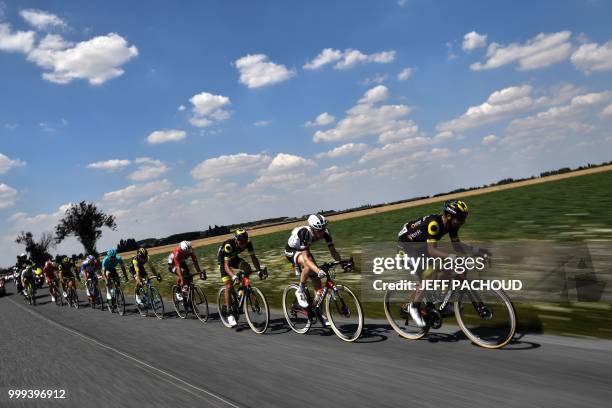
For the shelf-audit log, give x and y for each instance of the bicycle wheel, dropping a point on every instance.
(73, 299)
(157, 304)
(223, 312)
(256, 311)
(345, 313)
(486, 317)
(120, 301)
(179, 305)
(297, 316)
(99, 298)
(395, 309)
(142, 307)
(59, 295)
(199, 304)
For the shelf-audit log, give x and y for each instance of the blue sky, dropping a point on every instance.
(261, 108)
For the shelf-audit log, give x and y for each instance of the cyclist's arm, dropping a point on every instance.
(195, 263)
(123, 269)
(251, 250)
(434, 251)
(332, 248)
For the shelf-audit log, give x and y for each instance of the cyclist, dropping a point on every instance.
(137, 268)
(66, 274)
(228, 258)
(421, 236)
(109, 269)
(27, 277)
(177, 264)
(298, 254)
(22, 262)
(50, 272)
(89, 267)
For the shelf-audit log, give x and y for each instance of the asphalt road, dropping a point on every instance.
(104, 360)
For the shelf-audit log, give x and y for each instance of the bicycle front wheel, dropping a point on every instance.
(179, 305)
(199, 304)
(157, 304)
(396, 305)
(486, 317)
(120, 301)
(297, 316)
(256, 311)
(345, 313)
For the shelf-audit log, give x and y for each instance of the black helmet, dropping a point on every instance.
(457, 208)
(241, 235)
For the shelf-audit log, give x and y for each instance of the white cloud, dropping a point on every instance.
(348, 58)
(593, 57)
(367, 119)
(541, 51)
(164, 136)
(473, 40)
(112, 165)
(229, 164)
(96, 60)
(284, 162)
(6, 163)
(402, 3)
(377, 94)
(257, 71)
(490, 139)
(376, 79)
(321, 120)
(41, 20)
(500, 104)
(393, 149)
(181, 108)
(607, 111)
(208, 108)
(262, 123)
(405, 74)
(135, 191)
(345, 149)
(148, 169)
(19, 41)
(8, 196)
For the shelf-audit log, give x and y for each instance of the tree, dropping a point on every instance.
(38, 250)
(85, 222)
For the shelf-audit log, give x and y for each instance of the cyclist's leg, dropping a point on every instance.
(227, 283)
(307, 264)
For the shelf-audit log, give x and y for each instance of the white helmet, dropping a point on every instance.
(317, 221)
(185, 246)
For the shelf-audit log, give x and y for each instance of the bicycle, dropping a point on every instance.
(195, 301)
(71, 294)
(30, 294)
(486, 317)
(95, 297)
(149, 298)
(55, 292)
(342, 307)
(249, 299)
(117, 300)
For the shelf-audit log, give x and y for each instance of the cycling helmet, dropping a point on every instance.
(456, 208)
(66, 260)
(142, 254)
(49, 263)
(241, 235)
(23, 255)
(111, 253)
(90, 258)
(185, 246)
(317, 222)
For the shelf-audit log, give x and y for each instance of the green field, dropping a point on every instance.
(568, 210)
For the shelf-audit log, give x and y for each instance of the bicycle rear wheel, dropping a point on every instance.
(297, 316)
(120, 301)
(73, 298)
(223, 312)
(256, 311)
(345, 313)
(486, 317)
(179, 305)
(396, 304)
(199, 304)
(157, 304)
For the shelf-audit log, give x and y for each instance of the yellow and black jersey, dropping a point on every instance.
(66, 268)
(230, 250)
(427, 229)
(137, 267)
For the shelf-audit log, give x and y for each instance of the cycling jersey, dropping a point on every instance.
(303, 237)
(66, 269)
(427, 229)
(49, 271)
(178, 257)
(110, 263)
(138, 267)
(89, 268)
(229, 250)
(27, 273)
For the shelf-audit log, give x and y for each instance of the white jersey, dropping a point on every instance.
(303, 237)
